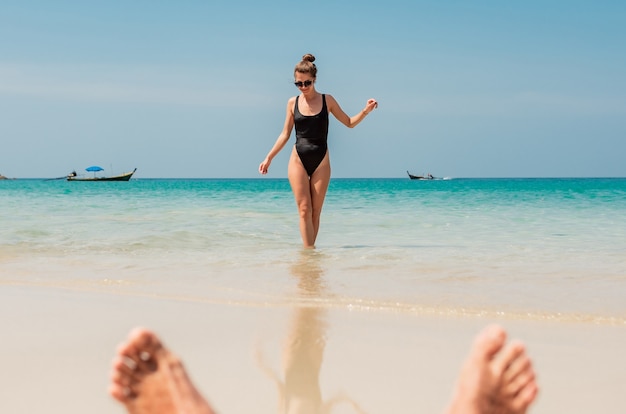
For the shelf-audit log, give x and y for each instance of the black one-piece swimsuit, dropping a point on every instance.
(311, 136)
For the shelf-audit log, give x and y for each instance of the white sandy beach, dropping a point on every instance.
(58, 343)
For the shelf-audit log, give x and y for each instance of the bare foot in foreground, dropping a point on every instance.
(495, 378)
(149, 379)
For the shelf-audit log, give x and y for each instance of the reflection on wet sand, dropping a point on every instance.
(303, 351)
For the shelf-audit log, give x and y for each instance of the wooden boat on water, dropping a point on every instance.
(421, 177)
(122, 177)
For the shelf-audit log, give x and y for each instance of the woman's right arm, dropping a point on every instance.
(282, 138)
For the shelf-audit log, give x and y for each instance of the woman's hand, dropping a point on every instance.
(265, 165)
(370, 106)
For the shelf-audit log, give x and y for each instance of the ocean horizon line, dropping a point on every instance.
(444, 178)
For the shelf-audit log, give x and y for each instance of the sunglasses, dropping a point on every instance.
(303, 84)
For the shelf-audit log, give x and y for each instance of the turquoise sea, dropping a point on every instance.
(520, 248)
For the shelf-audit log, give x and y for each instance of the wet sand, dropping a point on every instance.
(57, 345)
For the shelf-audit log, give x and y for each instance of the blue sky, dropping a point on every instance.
(199, 88)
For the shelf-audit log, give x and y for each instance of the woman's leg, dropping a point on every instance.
(319, 185)
(300, 185)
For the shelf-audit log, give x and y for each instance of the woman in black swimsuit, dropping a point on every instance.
(309, 165)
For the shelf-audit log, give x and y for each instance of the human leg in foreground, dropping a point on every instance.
(147, 378)
(495, 378)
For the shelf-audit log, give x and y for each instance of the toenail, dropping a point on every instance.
(130, 363)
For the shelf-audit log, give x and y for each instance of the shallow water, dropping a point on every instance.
(523, 248)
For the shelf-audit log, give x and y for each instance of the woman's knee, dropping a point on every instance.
(316, 209)
(305, 209)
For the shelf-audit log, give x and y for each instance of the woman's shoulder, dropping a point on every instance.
(291, 104)
(330, 101)
(292, 101)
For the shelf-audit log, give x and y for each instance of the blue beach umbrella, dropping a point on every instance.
(94, 169)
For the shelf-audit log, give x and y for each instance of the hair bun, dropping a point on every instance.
(308, 58)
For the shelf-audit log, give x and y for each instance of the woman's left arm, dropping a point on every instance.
(349, 121)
